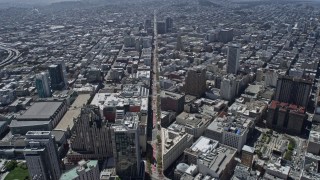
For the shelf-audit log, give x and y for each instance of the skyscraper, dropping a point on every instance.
(169, 24)
(228, 88)
(293, 90)
(92, 137)
(126, 149)
(225, 35)
(161, 27)
(42, 156)
(195, 82)
(58, 76)
(43, 85)
(233, 59)
(147, 24)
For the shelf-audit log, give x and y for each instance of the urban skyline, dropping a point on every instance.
(150, 89)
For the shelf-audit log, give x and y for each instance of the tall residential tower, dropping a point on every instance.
(195, 82)
(233, 59)
(42, 156)
(43, 85)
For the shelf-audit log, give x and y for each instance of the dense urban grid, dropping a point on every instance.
(160, 89)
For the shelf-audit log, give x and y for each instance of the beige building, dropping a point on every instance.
(173, 145)
(91, 138)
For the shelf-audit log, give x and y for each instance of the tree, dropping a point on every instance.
(158, 139)
(149, 166)
(270, 132)
(11, 165)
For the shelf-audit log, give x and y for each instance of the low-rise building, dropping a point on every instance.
(42, 115)
(212, 159)
(276, 170)
(231, 130)
(86, 170)
(194, 124)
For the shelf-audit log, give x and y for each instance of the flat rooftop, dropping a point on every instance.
(204, 144)
(171, 95)
(73, 112)
(73, 173)
(40, 110)
(218, 158)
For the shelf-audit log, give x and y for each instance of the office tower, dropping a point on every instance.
(161, 27)
(147, 24)
(286, 117)
(293, 91)
(179, 42)
(169, 24)
(228, 88)
(129, 41)
(94, 75)
(172, 101)
(42, 156)
(58, 76)
(247, 156)
(271, 77)
(92, 136)
(43, 85)
(126, 149)
(233, 59)
(86, 170)
(225, 35)
(195, 82)
(314, 142)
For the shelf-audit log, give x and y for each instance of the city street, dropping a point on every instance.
(155, 104)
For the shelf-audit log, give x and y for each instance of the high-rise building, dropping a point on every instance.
(42, 156)
(247, 156)
(314, 142)
(233, 59)
(286, 117)
(172, 101)
(43, 85)
(161, 27)
(225, 35)
(58, 76)
(195, 82)
(293, 90)
(169, 24)
(179, 42)
(126, 148)
(92, 136)
(228, 88)
(147, 24)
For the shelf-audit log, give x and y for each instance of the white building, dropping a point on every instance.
(211, 158)
(271, 77)
(275, 171)
(228, 90)
(173, 145)
(230, 130)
